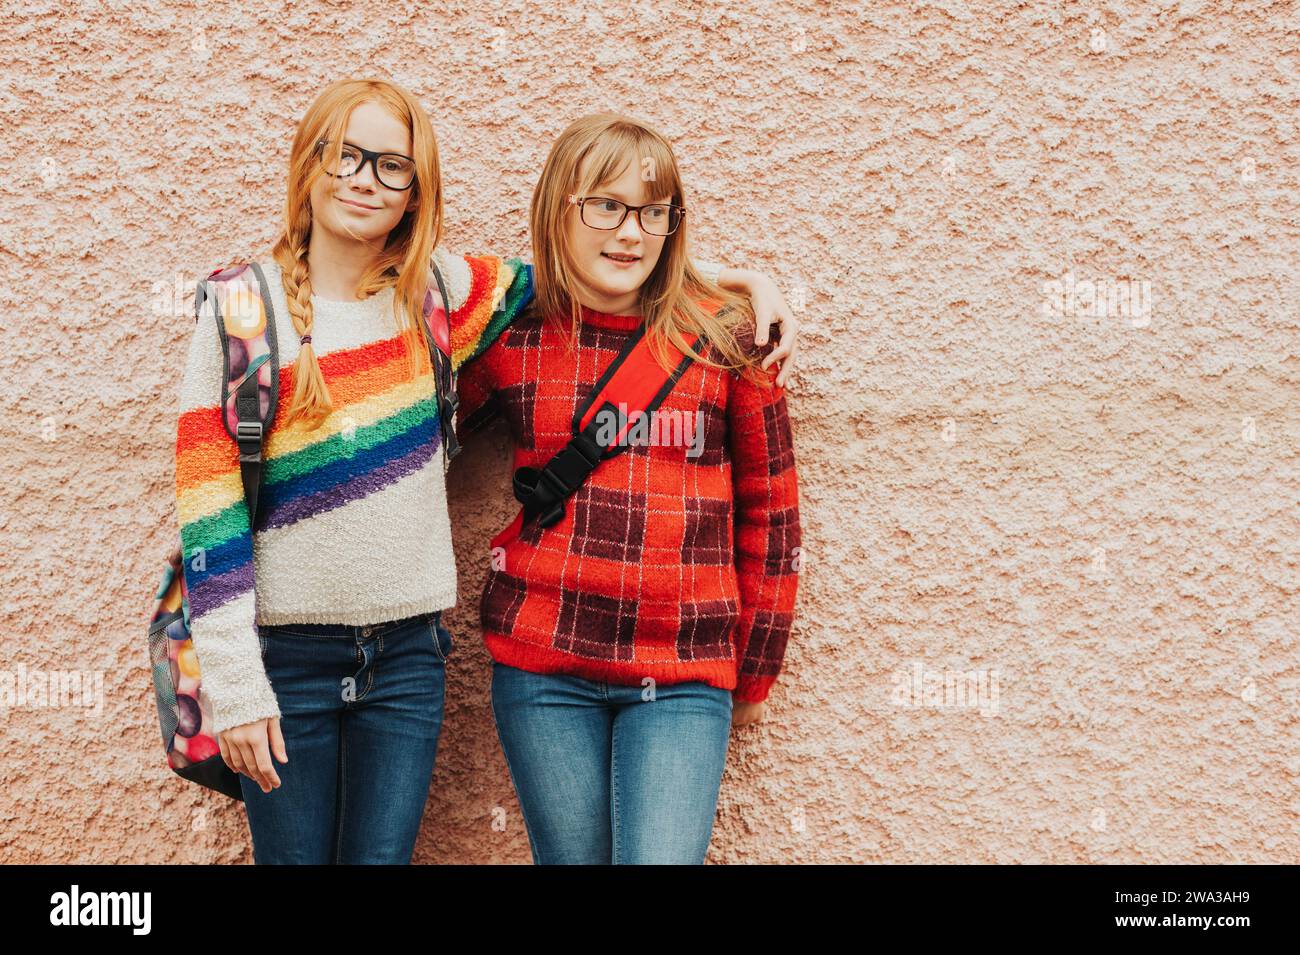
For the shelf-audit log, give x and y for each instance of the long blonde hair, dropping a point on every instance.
(675, 299)
(404, 262)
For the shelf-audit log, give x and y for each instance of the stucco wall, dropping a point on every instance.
(1096, 515)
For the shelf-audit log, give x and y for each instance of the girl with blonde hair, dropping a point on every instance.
(318, 625)
(631, 633)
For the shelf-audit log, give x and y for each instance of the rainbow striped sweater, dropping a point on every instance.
(352, 519)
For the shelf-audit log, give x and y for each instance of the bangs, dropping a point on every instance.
(622, 146)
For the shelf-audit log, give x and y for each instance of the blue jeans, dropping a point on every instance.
(360, 710)
(604, 776)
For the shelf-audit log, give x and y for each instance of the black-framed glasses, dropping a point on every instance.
(391, 169)
(656, 218)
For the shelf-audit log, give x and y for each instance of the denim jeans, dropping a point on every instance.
(604, 776)
(360, 710)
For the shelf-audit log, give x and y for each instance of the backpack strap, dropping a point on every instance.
(250, 364)
(437, 326)
(632, 387)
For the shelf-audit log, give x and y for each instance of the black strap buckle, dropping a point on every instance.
(543, 491)
(249, 436)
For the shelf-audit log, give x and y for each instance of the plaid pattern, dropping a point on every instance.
(665, 565)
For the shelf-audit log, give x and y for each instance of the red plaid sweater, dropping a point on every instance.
(671, 562)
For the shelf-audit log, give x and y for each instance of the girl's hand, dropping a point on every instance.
(769, 307)
(744, 713)
(245, 750)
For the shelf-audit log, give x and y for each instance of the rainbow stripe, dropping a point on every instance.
(474, 324)
(370, 440)
(383, 428)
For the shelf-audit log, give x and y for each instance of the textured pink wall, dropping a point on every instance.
(1096, 514)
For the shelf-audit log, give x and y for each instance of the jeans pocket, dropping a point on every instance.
(442, 642)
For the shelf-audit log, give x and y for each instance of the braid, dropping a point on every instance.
(311, 399)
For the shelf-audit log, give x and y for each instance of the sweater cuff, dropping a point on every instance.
(708, 270)
(233, 679)
(753, 689)
(254, 701)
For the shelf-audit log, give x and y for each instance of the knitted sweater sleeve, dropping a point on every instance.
(216, 539)
(767, 532)
(486, 294)
(710, 270)
(474, 388)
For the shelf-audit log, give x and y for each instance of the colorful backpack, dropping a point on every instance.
(249, 391)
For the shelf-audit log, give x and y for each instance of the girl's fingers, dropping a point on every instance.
(255, 758)
(247, 764)
(784, 350)
(265, 768)
(784, 347)
(787, 368)
(743, 714)
(789, 330)
(277, 740)
(233, 759)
